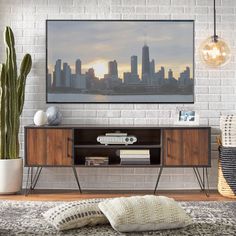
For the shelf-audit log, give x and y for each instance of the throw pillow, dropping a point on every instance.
(144, 213)
(75, 214)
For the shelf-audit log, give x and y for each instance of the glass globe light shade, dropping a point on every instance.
(215, 52)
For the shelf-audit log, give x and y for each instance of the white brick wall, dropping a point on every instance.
(214, 90)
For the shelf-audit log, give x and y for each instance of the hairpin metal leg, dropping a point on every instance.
(207, 179)
(201, 180)
(36, 177)
(77, 179)
(33, 179)
(158, 178)
(198, 178)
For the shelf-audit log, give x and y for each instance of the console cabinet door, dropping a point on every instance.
(52, 147)
(186, 147)
(172, 147)
(35, 147)
(59, 147)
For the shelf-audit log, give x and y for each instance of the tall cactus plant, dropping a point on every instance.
(12, 96)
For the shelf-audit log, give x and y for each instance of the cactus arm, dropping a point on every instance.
(3, 112)
(24, 71)
(21, 81)
(11, 55)
(11, 71)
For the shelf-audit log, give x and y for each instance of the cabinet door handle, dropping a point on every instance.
(169, 154)
(167, 147)
(67, 146)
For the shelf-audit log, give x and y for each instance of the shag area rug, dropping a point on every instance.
(25, 218)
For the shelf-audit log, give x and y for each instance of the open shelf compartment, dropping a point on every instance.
(144, 136)
(113, 154)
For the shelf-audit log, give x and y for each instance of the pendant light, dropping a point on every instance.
(214, 51)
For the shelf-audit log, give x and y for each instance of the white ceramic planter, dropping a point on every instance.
(11, 173)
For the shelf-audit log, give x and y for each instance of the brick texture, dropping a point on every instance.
(214, 88)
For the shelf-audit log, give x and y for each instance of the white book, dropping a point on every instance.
(134, 152)
(135, 156)
(135, 159)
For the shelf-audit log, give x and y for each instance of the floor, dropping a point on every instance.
(65, 195)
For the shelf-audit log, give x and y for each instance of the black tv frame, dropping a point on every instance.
(131, 20)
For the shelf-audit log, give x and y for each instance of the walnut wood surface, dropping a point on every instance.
(36, 147)
(49, 147)
(187, 147)
(59, 147)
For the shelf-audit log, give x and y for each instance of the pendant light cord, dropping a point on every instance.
(215, 36)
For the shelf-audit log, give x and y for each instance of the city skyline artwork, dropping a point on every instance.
(91, 61)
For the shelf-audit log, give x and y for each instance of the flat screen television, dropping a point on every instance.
(114, 61)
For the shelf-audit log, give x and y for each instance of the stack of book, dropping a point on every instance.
(135, 157)
(96, 161)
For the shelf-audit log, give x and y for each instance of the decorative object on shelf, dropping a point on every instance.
(12, 96)
(96, 161)
(135, 157)
(127, 74)
(186, 116)
(54, 115)
(40, 118)
(214, 51)
(116, 138)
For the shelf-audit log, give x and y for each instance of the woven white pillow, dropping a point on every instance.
(75, 214)
(144, 213)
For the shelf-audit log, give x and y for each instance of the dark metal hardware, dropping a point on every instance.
(77, 179)
(167, 148)
(67, 147)
(34, 179)
(215, 36)
(201, 180)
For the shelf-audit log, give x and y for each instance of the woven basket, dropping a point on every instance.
(227, 172)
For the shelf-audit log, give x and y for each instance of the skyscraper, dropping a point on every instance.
(152, 67)
(78, 67)
(66, 82)
(112, 68)
(90, 80)
(162, 73)
(145, 65)
(132, 77)
(90, 73)
(160, 76)
(80, 81)
(187, 71)
(134, 65)
(57, 74)
(170, 74)
(171, 80)
(184, 78)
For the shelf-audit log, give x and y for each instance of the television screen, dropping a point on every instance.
(114, 61)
